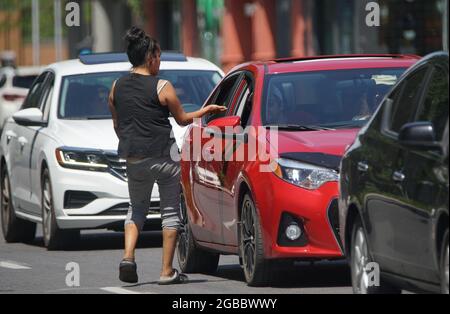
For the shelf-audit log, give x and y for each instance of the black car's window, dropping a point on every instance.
(405, 103)
(223, 96)
(435, 108)
(35, 94)
(336, 99)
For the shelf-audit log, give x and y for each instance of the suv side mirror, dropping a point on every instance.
(29, 117)
(419, 135)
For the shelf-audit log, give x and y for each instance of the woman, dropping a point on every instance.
(140, 104)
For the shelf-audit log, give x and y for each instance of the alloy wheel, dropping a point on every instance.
(360, 260)
(6, 205)
(248, 237)
(183, 243)
(446, 271)
(47, 215)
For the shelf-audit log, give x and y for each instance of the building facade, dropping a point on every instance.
(230, 32)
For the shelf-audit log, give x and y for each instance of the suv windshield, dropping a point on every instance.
(333, 99)
(85, 96)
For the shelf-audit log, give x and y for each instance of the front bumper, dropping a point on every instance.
(316, 210)
(101, 199)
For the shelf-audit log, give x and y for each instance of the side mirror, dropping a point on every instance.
(219, 127)
(225, 123)
(29, 117)
(420, 135)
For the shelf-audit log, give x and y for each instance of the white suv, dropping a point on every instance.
(58, 155)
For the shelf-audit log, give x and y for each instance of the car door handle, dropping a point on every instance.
(363, 166)
(22, 141)
(398, 177)
(9, 136)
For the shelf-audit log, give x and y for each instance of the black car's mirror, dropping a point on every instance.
(29, 117)
(419, 135)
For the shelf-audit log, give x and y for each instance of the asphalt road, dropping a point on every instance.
(30, 269)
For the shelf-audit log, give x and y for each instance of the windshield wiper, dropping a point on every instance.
(297, 127)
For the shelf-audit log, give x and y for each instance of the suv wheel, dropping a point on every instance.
(14, 229)
(54, 237)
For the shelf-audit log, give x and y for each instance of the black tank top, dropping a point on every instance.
(144, 128)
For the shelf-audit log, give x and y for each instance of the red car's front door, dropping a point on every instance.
(206, 181)
(235, 156)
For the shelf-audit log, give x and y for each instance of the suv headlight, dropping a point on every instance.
(81, 159)
(304, 175)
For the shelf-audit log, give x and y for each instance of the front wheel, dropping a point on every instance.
(191, 258)
(258, 270)
(54, 237)
(363, 281)
(444, 265)
(14, 229)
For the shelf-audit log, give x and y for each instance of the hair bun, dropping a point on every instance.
(135, 34)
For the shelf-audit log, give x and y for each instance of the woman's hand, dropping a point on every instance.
(214, 109)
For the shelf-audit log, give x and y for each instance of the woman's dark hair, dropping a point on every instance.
(140, 46)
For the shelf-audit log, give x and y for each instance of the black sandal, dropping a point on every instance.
(128, 271)
(176, 279)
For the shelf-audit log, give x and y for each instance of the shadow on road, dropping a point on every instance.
(103, 241)
(304, 275)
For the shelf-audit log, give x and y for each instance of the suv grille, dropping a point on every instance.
(117, 166)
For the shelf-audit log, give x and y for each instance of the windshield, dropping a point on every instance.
(86, 96)
(342, 98)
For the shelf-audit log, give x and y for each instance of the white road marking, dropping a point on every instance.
(118, 290)
(14, 265)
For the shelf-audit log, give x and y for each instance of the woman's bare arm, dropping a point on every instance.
(168, 97)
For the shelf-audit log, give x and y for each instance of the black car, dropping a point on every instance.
(394, 188)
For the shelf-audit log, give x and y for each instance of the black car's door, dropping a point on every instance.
(424, 189)
(383, 159)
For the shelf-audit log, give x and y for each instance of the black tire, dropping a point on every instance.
(14, 229)
(444, 265)
(191, 258)
(258, 270)
(359, 262)
(54, 237)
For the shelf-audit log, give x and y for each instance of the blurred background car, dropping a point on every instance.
(308, 110)
(394, 187)
(14, 85)
(58, 156)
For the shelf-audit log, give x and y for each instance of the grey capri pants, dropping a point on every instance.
(142, 176)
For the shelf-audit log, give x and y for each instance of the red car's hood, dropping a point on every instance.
(333, 142)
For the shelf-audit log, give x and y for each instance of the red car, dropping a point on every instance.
(280, 201)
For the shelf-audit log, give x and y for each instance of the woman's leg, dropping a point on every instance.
(169, 189)
(169, 246)
(140, 186)
(131, 238)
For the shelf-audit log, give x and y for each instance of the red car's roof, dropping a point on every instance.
(339, 62)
